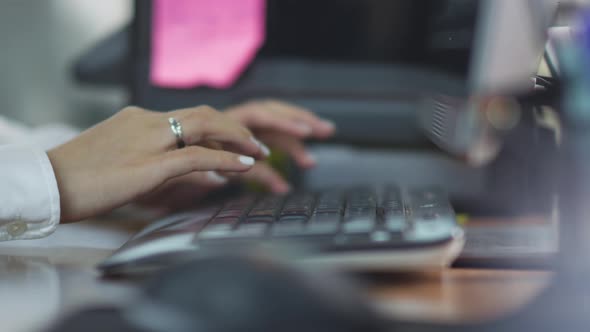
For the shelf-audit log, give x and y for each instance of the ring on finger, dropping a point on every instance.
(176, 128)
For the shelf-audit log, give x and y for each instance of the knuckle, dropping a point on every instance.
(307, 113)
(245, 132)
(193, 155)
(271, 101)
(258, 115)
(236, 128)
(207, 111)
(132, 111)
(223, 159)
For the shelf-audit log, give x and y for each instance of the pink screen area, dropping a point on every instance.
(204, 42)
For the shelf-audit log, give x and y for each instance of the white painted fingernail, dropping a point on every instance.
(328, 124)
(265, 150)
(304, 128)
(249, 161)
(215, 177)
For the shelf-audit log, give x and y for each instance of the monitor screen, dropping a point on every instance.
(434, 34)
(371, 44)
(347, 60)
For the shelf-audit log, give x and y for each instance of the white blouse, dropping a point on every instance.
(29, 196)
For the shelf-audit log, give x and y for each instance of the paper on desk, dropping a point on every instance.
(204, 42)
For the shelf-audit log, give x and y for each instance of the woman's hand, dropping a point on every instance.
(281, 125)
(284, 127)
(134, 152)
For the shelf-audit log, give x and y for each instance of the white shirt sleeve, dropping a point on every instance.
(45, 137)
(29, 196)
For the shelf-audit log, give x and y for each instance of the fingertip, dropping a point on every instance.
(308, 160)
(216, 178)
(263, 149)
(328, 125)
(281, 188)
(326, 128)
(247, 161)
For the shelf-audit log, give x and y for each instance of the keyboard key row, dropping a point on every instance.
(355, 212)
(229, 227)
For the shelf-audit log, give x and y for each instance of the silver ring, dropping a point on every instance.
(176, 128)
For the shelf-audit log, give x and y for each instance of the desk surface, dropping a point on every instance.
(40, 284)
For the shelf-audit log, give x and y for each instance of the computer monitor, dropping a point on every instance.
(349, 61)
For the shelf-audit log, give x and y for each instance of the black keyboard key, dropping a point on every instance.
(337, 210)
(266, 208)
(257, 219)
(241, 204)
(430, 215)
(362, 199)
(323, 228)
(269, 202)
(266, 212)
(324, 223)
(250, 230)
(218, 228)
(359, 210)
(361, 204)
(330, 202)
(326, 217)
(381, 236)
(299, 205)
(396, 225)
(230, 213)
(288, 228)
(293, 219)
(295, 215)
(360, 213)
(392, 199)
(300, 199)
(427, 198)
(358, 226)
(393, 213)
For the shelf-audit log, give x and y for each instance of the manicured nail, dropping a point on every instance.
(265, 150)
(215, 177)
(304, 128)
(248, 161)
(310, 159)
(328, 124)
(282, 189)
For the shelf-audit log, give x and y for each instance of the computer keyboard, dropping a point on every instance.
(389, 228)
(336, 219)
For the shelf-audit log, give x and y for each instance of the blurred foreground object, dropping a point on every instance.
(237, 293)
(509, 48)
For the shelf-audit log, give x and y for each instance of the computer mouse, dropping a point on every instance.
(250, 294)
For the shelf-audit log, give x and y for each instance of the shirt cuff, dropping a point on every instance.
(29, 195)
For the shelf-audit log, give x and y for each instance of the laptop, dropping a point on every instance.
(388, 226)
